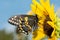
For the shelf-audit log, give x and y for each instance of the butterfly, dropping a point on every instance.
(24, 23)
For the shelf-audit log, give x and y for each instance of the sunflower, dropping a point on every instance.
(47, 19)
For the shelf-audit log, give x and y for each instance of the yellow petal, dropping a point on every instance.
(39, 35)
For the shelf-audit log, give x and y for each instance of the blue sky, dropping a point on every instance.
(9, 8)
(12, 7)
